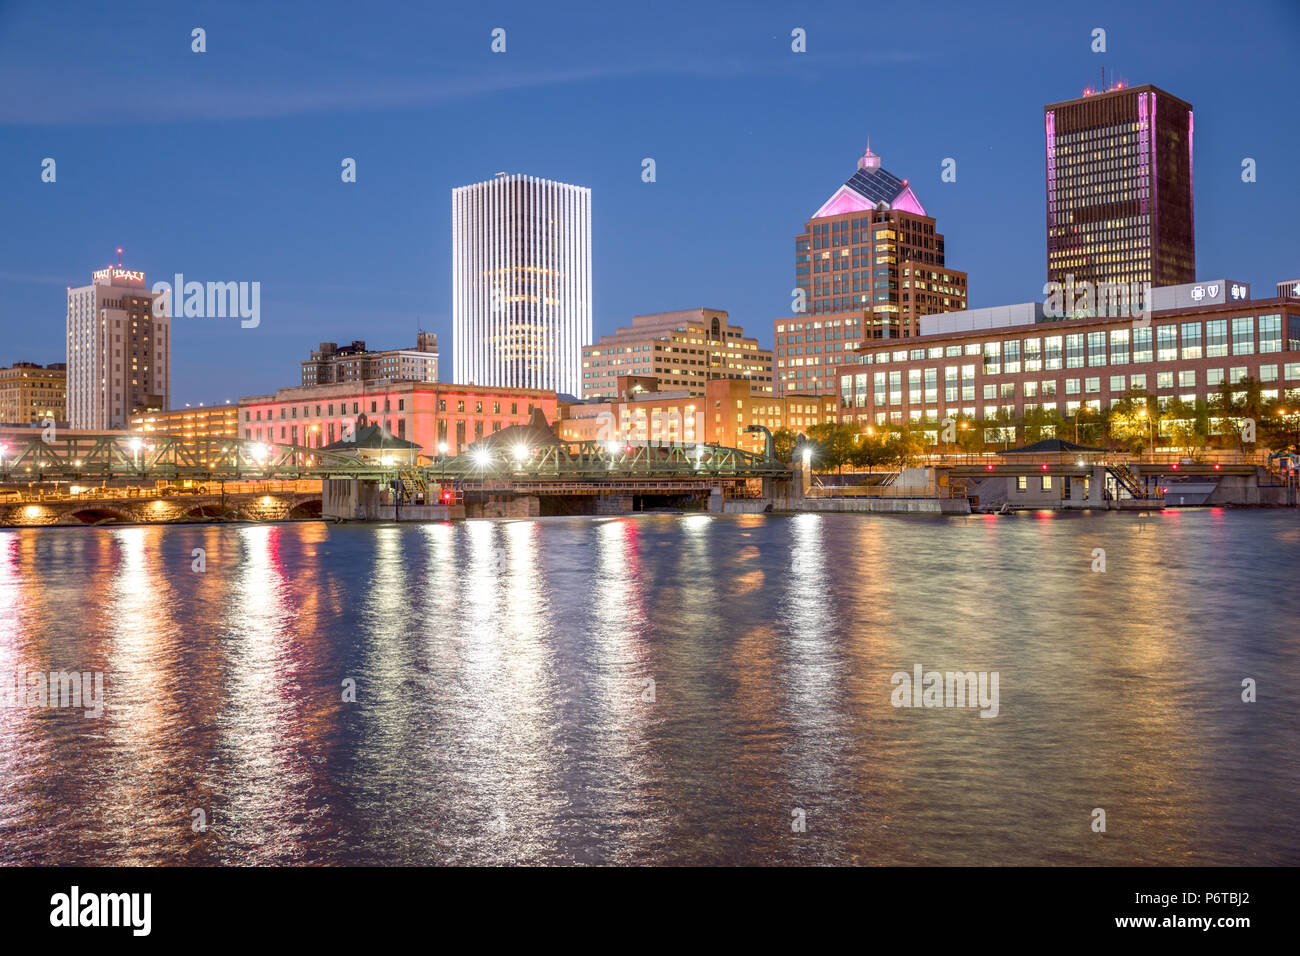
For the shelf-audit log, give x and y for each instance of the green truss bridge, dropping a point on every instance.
(129, 458)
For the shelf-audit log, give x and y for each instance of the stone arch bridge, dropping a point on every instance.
(146, 508)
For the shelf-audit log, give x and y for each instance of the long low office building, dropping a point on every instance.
(990, 371)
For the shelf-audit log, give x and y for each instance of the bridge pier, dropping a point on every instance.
(785, 493)
(350, 499)
(359, 499)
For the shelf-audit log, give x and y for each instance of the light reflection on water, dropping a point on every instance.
(656, 689)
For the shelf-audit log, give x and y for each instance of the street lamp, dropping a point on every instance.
(1151, 431)
(1292, 419)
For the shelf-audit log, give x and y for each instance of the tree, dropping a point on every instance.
(1189, 426)
(1130, 425)
(835, 442)
(875, 448)
(909, 444)
(784, 440)
(1236, 405)
(970, 438)
(1039, 424)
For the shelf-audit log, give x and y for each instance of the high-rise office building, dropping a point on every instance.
(119, 351)
(521, 283)
(1119, 188)
(869, 264)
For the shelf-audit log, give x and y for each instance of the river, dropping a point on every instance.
(657, 689)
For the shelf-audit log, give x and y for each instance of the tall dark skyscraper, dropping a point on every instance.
(1119, 187)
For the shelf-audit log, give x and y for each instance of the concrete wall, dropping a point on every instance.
(420, 513)
(522, 506)
(613, 504)
(895, 506)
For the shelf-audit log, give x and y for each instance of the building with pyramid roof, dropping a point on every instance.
(868, 264)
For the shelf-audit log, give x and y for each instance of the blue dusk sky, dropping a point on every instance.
(225, 165)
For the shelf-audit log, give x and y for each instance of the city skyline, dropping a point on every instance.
(389, 270)
(613, 436)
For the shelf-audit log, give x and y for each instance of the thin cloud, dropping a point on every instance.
(70, 104)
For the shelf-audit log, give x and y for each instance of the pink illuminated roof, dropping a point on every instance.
(847, 200)
(844, 200)
(869, 187)
(907, 202)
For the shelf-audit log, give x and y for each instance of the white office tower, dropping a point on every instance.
(521, 283)
(119, 351)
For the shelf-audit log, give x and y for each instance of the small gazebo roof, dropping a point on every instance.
(372, 438)
(1055, 446)
(536, 432)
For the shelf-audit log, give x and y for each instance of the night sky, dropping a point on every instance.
(225, 165)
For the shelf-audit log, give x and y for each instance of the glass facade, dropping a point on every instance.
(1178, 356)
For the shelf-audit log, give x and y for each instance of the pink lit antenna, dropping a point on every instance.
(119, 257)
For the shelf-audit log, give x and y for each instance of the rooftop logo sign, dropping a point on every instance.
(111, 275)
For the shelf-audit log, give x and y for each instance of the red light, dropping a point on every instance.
(989, 467)
(627, 450)
(1174, 467)
(1044, 467)
(1216, 467)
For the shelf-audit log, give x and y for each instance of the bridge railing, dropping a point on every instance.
(164, 457)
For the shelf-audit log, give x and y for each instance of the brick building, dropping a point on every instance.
(333, 363)
(1182, 352)
(432, 414)
(645, 412)
(685, 349)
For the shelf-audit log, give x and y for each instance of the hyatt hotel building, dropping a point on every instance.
(991, 364)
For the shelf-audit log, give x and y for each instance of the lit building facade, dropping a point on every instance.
(119, 350)
(1119, 188)
(999, 375)
(355, 363)
(521, 283)
(193, 425)
(428, 413)
(674, 416)
(685, 349)
(868, 265)
(32, 393)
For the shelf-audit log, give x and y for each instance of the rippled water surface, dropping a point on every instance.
(504, 710)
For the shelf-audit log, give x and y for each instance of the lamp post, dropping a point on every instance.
(1292, 479)
(1151, 431)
